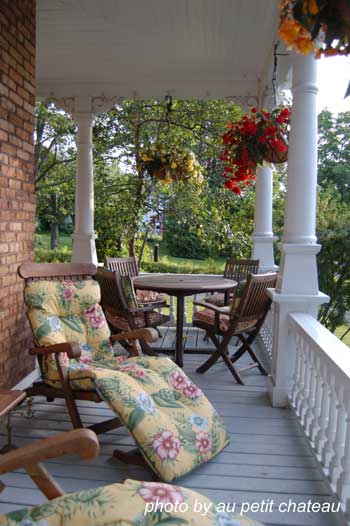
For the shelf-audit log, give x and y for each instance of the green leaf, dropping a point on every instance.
(172, 520)
(166, 398)
(42, 331)
(72, 323)
(135, 418)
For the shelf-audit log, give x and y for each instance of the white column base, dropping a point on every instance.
(284, 350)
(298, 269)
(84, 248)
(263, 251)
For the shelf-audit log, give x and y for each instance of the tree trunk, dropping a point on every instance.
(144, 242)
(54, 236)
(132, 253)
(54, 224)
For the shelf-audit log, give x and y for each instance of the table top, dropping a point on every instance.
(183, 284)
(9, 399)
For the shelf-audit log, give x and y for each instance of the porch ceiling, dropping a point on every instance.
(148, 48)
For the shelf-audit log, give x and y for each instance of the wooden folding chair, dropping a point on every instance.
(71, 272)
(120, 315)
(243, 322)
(128, 267)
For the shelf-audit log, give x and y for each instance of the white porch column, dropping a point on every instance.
(297, 285)
(263, 236)
(84, 249)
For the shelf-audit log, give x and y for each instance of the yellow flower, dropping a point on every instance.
(304, 45)
(146, 158)
(289, 31)
(173, 165)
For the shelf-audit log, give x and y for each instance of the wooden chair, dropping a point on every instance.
(82, 442)
(128, 267)
(243, 322)
(73, 272)
(238, 270)
(119, 314)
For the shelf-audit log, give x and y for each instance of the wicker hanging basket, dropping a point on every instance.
(274, 156)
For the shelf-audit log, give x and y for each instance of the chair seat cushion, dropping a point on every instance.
(120, 322)
(208, 316)
(129, 504)
(149, 296)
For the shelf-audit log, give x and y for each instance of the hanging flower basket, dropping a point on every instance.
(171, 164)
(259, 136)
(322, 26)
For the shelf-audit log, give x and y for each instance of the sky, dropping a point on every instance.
(333, 80)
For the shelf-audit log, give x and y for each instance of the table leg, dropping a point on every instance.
(179, 350)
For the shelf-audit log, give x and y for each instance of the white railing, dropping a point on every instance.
(266, 337)
(320, 398)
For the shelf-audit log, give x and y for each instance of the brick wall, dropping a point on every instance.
(17, 207)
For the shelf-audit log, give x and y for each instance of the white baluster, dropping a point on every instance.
(171, 308)
(332, 426)
(343, 486)
(296, 376)
(311, 407)
(194, 307)
(300, 393)
(306, 385)
(335, 466)
(321, 435)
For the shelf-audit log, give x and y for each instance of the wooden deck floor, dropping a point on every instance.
(267, 458)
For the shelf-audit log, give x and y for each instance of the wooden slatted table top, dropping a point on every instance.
(9, 400)
(186, 284)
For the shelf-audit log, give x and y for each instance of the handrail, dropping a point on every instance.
(320, 398)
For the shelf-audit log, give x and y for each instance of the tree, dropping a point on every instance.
(55, 154)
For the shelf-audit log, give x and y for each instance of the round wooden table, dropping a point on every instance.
(181, 285)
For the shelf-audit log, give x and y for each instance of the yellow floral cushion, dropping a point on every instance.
(68, 312)
(133, 503)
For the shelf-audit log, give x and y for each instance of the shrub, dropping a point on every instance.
(45, 255)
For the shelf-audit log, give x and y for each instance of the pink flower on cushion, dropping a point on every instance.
(127, 367)
(93, 310)
(120, 359)
(138, 373)
(203, 442)
(179, 380)
(68, 294)
(85, 358)
(157, 492)
(192, 391)
(166, 445)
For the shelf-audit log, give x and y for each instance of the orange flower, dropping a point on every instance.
(304, 45)
(313, 7)
(289, 31)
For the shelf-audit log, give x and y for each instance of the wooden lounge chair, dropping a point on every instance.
(128, 503)
(122, 311)
(238, 270)
(63, 272)
(243, 322)
(128, 267)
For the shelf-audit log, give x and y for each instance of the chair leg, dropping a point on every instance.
(210, 362)
(245, 347)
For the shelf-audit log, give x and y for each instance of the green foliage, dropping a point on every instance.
(45, 255)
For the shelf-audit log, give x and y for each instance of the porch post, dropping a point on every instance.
(263, 236)
(297, 284)
(84, 249)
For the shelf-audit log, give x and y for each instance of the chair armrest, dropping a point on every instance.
(146, 307)
(154, 304)
(82, 442)
(221, 310)
(71, 348)
(149, 335)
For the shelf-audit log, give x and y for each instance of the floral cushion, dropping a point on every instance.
(67, 311)
(130, 504)
(171, 420)
(149, 296)
(208, 316)
(129, 292)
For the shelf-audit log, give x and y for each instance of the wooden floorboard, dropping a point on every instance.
(267, 458)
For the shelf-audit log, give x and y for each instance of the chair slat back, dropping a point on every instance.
(112, 297)
(240, 269)
(255, 301)
(56, 271)
(124, 266)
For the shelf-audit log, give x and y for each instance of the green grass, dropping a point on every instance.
(339, 331)
(42, 240)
